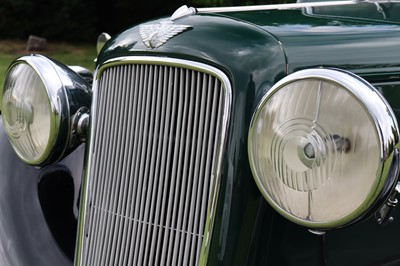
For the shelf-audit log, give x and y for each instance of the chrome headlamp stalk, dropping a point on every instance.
(40, 98)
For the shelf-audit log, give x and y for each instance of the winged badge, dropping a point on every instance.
(155, 35)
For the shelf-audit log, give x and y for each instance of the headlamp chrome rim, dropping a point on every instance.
(381, 116)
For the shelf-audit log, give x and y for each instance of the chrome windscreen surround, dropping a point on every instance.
(180, 77)
(311, 155)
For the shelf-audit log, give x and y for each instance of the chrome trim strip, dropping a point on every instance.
(272, 7)
(217, 172)
(284, 6)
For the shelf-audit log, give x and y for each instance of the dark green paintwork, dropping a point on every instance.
(254, 55)
(360, 46)
(253, 60)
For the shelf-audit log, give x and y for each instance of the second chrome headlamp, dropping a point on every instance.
(321, 147)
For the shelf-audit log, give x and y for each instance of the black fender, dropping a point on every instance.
(39, 208)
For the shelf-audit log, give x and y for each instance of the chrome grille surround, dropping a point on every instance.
(178, 131)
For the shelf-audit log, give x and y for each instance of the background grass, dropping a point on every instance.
(81, 55)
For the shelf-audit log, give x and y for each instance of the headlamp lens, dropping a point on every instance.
(26, 113)
(316, 153)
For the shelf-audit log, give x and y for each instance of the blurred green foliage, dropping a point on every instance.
(83, 20)
(81, 55)
(57, 20)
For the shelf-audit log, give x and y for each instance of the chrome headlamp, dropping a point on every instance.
(40, 100)
(323, 148)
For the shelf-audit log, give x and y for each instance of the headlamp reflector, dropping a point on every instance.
(320, 145)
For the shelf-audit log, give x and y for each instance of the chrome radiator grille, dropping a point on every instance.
(155, 155)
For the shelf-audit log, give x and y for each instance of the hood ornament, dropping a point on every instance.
(155, 35)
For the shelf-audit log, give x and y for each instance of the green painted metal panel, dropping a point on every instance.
(255, 50)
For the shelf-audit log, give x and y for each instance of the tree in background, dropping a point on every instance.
(122, 14)
(66, 20)
(83, 20)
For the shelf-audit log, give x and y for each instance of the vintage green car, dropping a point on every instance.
(257, 135)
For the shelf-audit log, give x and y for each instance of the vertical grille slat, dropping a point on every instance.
(181, 176)
(143, 156)
(154, 150)
(191, 148)
(201, 162)
(163, 140)
(103, 204)
(164, 166)
(137, 163)
(150, 164)
(188, 203)
(165, 230)
(134, 146)
(152, 178)
(178, 161)
(142, 189)
(110, 205)
(122, 137)
(185, 176)
(127, 154)
(116, 170)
